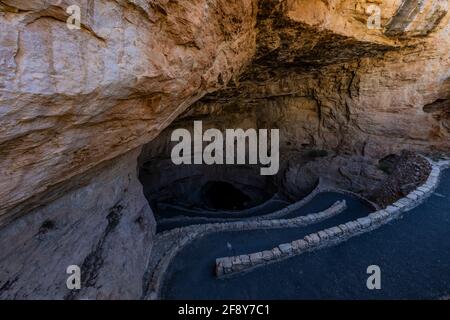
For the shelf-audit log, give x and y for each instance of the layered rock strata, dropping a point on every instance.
(74, 104)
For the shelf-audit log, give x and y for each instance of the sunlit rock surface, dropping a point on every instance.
(73, 103)
(71, 99)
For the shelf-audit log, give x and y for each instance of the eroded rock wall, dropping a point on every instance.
(105, 226)
(331, 84)
(71, 99)
(75, 103)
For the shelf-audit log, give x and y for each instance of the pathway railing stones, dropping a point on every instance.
(172, 241)
(228, 266)
(273, 215)
(180, 237)
(292, 207)
(237, 214)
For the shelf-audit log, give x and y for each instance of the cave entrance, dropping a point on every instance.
(221, 195)
(175, 191)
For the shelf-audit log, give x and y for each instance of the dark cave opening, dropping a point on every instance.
(183, 190)
(222, 195)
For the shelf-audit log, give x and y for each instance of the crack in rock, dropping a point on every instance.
(94, 260)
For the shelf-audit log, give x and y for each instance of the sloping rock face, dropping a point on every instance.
(105, 226)
(71, 99)
(331, 84)
(71, 103)
(74, 104)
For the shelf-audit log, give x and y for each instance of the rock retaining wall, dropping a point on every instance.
(180, 237)
(290, 208)
(273, 215)
(227, 266)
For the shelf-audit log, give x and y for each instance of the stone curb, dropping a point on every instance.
(228, 266)
(194, 232)
(230, 213)
(276, 214)
(350, 193)
(291, 208)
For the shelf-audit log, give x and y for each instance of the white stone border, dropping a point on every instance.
(268, 216)
(204, 219)
(292, 207)
(228, 266)
(193, 232)
(238, 214)
(351, 193)
(276, 214)
(320, 188)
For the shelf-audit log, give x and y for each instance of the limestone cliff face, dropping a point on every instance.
(330, 83)
(105, 226)
(74, 103)
(74, 106)
(71, 99)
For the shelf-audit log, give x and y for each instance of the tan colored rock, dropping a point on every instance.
(71, 99)
(329, 83)
(74, 104)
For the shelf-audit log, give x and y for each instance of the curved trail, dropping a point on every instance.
(179, 218)
(412, 253)
(191, 266)
(168, 244)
